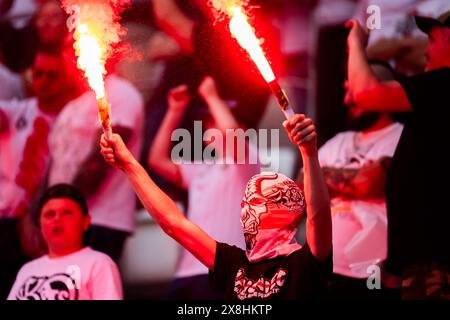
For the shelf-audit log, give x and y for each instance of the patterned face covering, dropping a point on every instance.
(272, 207)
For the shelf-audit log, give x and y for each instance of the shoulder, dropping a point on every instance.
(119, 87)
(335, 142)
(33, 265)
(81, 104)
(426, 79)
(97, 256)
(18, 105)
(397, 128)
(226, 253)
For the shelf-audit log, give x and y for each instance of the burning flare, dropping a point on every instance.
(243, 32)
(96, 31)
(241, 29)
(91, 59)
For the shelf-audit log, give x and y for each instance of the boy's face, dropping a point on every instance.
(63, 224)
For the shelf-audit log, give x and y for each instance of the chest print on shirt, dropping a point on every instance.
(21, 123)
(246, 288)
(60, 286)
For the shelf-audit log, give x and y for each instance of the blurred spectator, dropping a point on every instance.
(397, 39)
(294, 20)
(328, 66)
(24, 157)
(418, 235)
(76, 160)
(206, 48)
(51, 26)
(70, 271)
(355, 165)
(215, 190)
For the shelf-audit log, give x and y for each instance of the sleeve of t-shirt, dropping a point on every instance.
(428, 92)
(226, 264)
(106, 283)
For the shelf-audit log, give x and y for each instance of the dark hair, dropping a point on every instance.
(64, 191)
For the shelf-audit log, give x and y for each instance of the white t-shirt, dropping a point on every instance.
(84, 275)
(74, 136)
(359, 226)
(215, 195)
(21, 116)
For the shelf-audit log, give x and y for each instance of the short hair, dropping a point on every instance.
(67, 191)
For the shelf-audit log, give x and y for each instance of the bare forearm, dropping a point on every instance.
(318, 208)
(161, 146)
(221, 113)
(360, 75)
(174, 23)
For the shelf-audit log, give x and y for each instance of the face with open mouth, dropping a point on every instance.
(63, 224)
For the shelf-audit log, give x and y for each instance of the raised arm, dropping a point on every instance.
(367, 91)
(172, 21)
(163, 210)
(159, 155)
(318, 223)
(219, 109)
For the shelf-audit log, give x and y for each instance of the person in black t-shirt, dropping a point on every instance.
(418, 219)
(274, 265)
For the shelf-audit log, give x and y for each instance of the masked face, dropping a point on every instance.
(271, 201)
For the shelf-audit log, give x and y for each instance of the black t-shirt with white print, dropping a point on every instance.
(297, 276)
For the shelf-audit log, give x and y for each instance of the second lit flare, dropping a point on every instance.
(244, 34)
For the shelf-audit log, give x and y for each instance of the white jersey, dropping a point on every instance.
(359, 226)
(24, 154)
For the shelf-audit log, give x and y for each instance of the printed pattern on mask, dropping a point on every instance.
(282, 193)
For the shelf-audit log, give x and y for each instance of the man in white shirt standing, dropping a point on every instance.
(24, 158)
(76, 160)
(355, 164)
